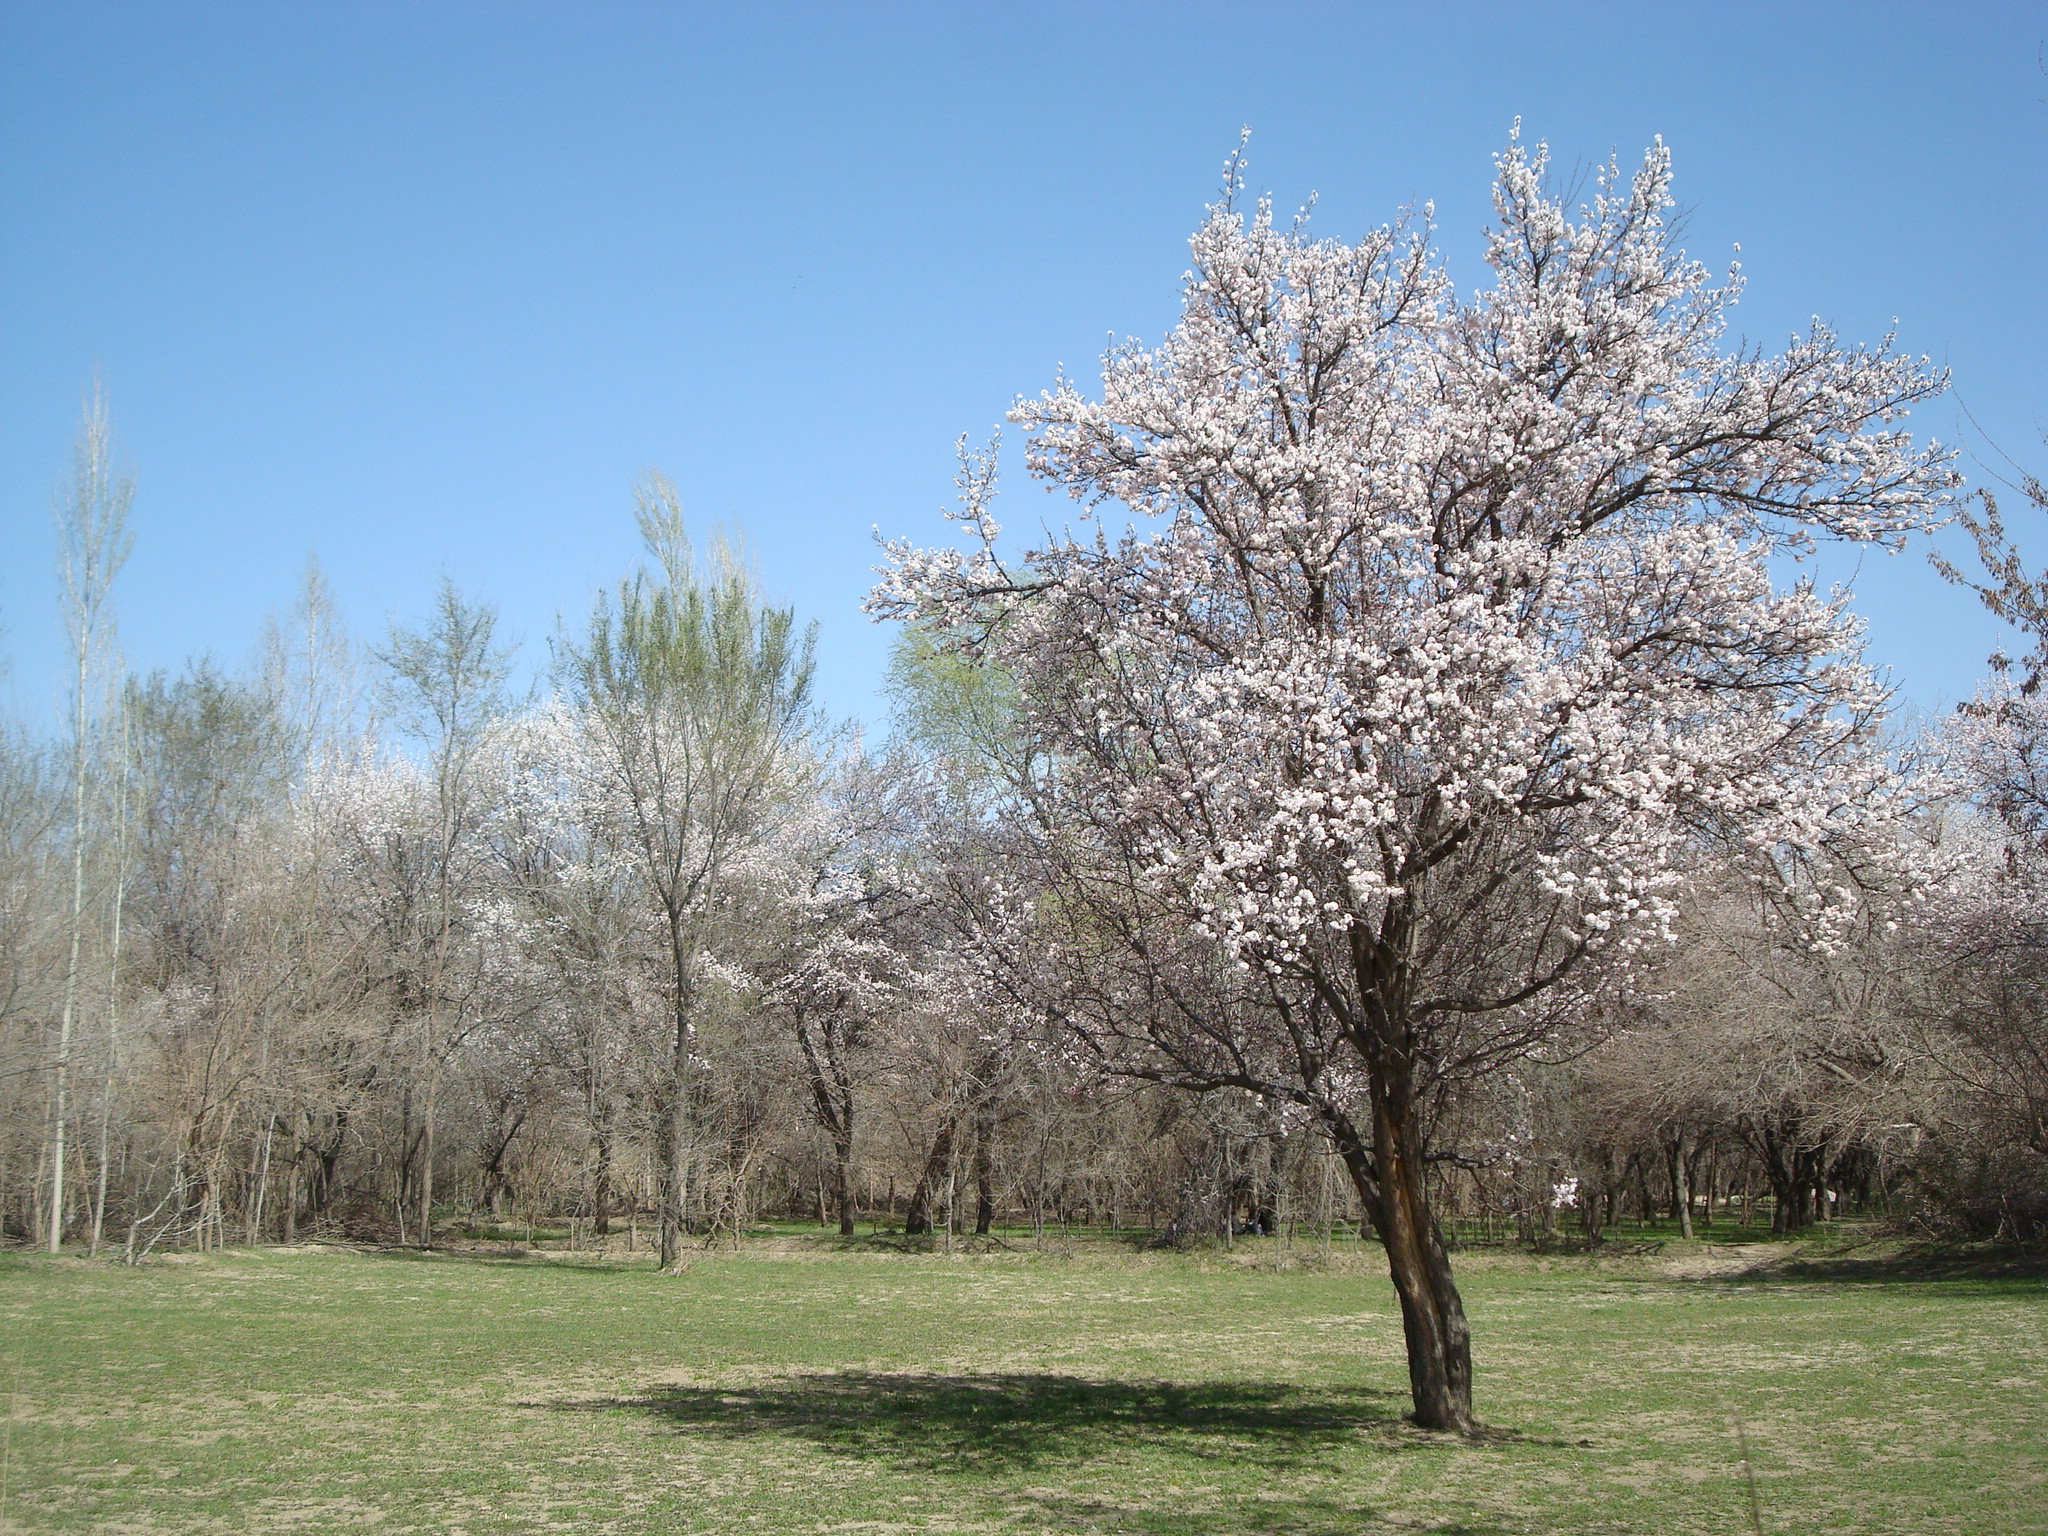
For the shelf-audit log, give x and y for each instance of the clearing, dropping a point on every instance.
(802, 1385)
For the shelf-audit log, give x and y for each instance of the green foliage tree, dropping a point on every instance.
(697, 698)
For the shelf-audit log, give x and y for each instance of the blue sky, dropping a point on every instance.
(422, 288)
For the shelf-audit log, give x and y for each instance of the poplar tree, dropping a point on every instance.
(697, 697)
(93, 542)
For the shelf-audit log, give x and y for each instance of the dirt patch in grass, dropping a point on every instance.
(1718, 1263)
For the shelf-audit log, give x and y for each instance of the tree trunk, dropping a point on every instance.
(1678, 1154)
(674, 1114)
(601, 1181)
(984, 1176)
(832, 1103)
(427, 1173)
(918, 1220)
(1432, 1312)
(1806, 1183)
(669, 1174)
(1783, 1163)
(842, 1176)
(1391, 1186)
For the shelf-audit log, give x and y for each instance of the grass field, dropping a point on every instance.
(801, 1386)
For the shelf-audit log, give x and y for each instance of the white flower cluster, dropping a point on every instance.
(1454, 616)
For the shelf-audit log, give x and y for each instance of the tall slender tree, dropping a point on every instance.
(698, 698)
(445, 683)
(93, 542)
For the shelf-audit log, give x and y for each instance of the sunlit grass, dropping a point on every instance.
(809, 1386)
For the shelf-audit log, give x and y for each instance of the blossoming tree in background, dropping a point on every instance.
(1443, 640)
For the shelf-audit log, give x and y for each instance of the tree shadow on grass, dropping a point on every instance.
(1000, 1423)
(511, 1257)
(1255, 1514)
(1883, 1263)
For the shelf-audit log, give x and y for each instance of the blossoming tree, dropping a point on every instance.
(1442, 635)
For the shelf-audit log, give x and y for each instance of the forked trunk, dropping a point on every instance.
(1787, 1166)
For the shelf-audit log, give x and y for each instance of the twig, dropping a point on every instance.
(7, 1437)
(1756, 1516)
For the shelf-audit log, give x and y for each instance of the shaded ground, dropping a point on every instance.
(804, 1387)
(1882, 1263)
(1024, 1421)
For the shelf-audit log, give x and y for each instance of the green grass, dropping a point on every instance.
(803, 1386)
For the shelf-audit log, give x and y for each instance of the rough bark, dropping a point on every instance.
(1432, 1312)
(918, 1220)
(1678, 1153)
(984, 1176)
